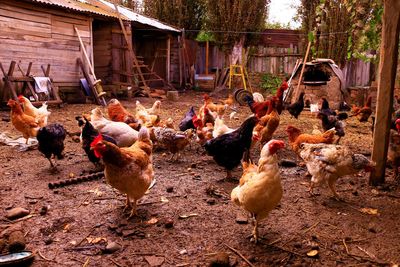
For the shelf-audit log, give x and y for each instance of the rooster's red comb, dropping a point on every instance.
(98, 139)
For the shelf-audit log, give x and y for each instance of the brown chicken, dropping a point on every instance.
(296, 138)
(128, 169)
(363, 113)
(267, 125)
(229, 101)
(40, 114)
(25, 124)
(260, 189)
(170, 139)
(217, 108)
(117, 112)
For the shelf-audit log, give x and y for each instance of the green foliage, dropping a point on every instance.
(204, 36)
(187, 14)
(230, 19)
(270, 83)
(277, 25)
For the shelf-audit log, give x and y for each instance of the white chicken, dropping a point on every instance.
(154, 110)
(220, 128)
(121, 132)
(40, 114)
(260, 189)
(327, 162)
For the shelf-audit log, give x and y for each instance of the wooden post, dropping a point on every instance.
(168, 58)
(207, 51)
(386, 80)
(297, 93)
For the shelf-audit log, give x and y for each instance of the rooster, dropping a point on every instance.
(117, 112)
(296, 138)
(172, 140)
(51, 141)
(279, 94)
(40, 114)
(260, 189)
(327, 162)
(128, 169)
(228, 149)
(258, 108)
(297, 107)
(122, 133)
(88, 134)
(25, 124)
(326, 109)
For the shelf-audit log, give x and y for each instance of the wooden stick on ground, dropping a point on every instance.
(311, 227)
(345, 246)
(240, 255)
(116, 263)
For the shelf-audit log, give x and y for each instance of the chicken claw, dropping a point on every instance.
(127, 204)
(133, 211)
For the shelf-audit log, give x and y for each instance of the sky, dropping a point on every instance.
(283, 11)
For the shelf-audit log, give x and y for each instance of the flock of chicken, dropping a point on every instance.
(124, 143)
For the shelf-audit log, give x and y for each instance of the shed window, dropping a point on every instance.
(316, 75)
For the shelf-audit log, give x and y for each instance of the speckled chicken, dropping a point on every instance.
(170, 139)
(327, 162)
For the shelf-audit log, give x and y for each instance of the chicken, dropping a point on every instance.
(168, 123)
(116, 112)
(327, 162)
(204, 133)
(326, 109)
(220, 128)
(229, 101)
(154, 110)
(260, 189)
(329, 122)
(296, 138)
(88, 134)
(267, 125)
(297, 107)
(187, 121)
(25, 124)
(259, 109)
(146, 116)
(365, 112)
(343, 106)
(170, 139)
(40, 114)
(279, 94)
(393, 155)
(122, 133)
(214, 109)
(51, 141)
(128, 169)
(227, 149)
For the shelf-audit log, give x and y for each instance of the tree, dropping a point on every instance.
(187, 14)
(342, 28)
(233, 21)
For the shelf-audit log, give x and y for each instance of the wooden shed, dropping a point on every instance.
(321, 78)
(42, 32)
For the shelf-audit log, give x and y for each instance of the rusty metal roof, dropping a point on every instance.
(105, 8)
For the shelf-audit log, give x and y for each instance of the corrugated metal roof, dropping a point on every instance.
(133, 16)
(104, 8)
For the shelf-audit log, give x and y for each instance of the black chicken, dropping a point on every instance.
(326, 109)
(187, 122)
(329, 122)
(227, 149)
(88, 134)
(51, 141)
(297, 107)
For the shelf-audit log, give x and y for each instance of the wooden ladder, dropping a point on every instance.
(240, 71)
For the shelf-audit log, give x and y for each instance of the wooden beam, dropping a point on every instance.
(386, 80)
(168, 58)
(207, 51)
(297, 93)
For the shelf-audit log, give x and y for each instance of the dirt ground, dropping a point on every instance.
(83, 218)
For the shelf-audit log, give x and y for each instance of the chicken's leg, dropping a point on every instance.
(337, 141)
(133, 211)
(255, 230)
(332, 186)
(51, 163)
(127, 204)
